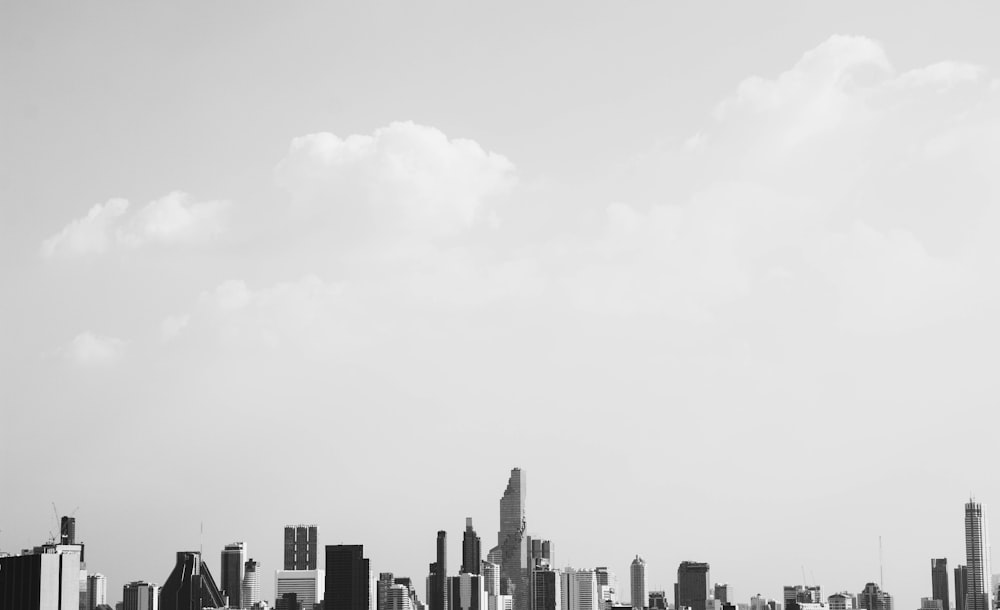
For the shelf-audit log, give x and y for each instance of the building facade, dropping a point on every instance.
(979, 593)
(97, 590)
(190, 585)
(348, 578)
(939, 582)
(301, 547)
(961, 586)
(140, 595)
(637, 583)
(693, 587)
(513, 543)
(232, 565)
(47, 579)
(472, 553)
(307, 585)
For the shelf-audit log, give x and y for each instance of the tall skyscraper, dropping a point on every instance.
(512, 542)
(692, 587)
(961, 586)
(491, 577)
(307, 585)
(190, 585)
(874, 598)
(546, 589)
(45, 580)
(637, 579)
(233, 560)
(939, 582)
(437, 581)
(466, 592)
(97, 590)
(979, 593)
(250, 589)
(724, 593)
(139, 595)
(471, 549)
(348, 578)
(300, 547)
(580, 590)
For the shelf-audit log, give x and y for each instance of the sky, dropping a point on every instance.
(722, 280)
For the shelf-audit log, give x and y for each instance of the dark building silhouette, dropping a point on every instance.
(514, 570)
(139, 594)
(939, 582)
(190, 586)
(385, 581)
(300, 547)
(289, 601)
(658, 600)
(464, 592)
(437, 581)
(693, 587)
(39, 580)
(232, 561)
(961, 586)
(347, 573)
(874, 598)
(471, 549)
(67, 530)
(545, 589)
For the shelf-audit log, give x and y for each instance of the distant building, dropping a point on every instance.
(491, 577)
(692, 586)
(637, 581)
(929, 603)
(802, 594)
(250, 589)
(348, 578)
(658, 600)
(232, 561)
(546, 589)
(67, 530)
(471, 550)
(466, 592)
(437, 579)
(190, 585)
(939, 582)
(307, 585)
(140, 595)
(961, 586)
(979, 593)
(724, 593)
(398, 598)
(579, 590)
(97, 591)
(300, 547)
(842, 601)
(44, 579)
(514, 570)
(874, 598)
(607, 588)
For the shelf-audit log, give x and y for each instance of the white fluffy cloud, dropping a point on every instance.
(404, 182)
(174, 218)
(91, 349)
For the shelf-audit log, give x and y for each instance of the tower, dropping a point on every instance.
(190, 585)
(250, 589)
(512, 542)
(637, 578)
(307, 585)
(67, 530)
(139, 595)
(961, 586)
(979, 594)
(471, 549)
(48, 578)
(97, 590)
(233, 560)
(300, 547)
(692, 588)
(437, 580)
(939, 582)
(348, 585)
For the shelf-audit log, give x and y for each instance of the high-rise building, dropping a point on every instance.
(385, 580)
(580, 591)
(513, 543)
(961, 586)
(979, 593)
(466, 592)
(842, 600)
(190, 585)
(97, 591)
(398, 598)
(67, 530)
(939, 582)
(929, 603)
(46, 579)
(810, 594)
(300, 547)
(348, 578)
(437, 580)
(471, 549)
(307, 585)
(658, 600)
(692, 589)
(546, 589)
(724, 593)
(872, 597)
(250, 589)
(491, 577)
(232, 561)
(637, 578)
(139, 595)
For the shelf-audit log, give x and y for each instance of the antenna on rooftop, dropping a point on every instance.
(881, 580)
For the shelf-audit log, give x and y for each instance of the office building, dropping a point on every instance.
(250, 588)
(579, 590)
(979, 593)
(513, 543)
(546, 589)
(307, 585)
(97, 591)
(929, 603)
(491, 577)
(232, 562)
(398, 597)
(471, 549)
(466, 592)
(874, 598)
(67, 530)
(190, 585)
(300, 547)
(501, 602)
(841, 601)
(692, 589)
(658, 600)
(961, 586)
(637, 582)
(802, 595)
(607, 587)
(348, 578)
(46, 579)
(385, 580)
(541, 552)
(724, 593)
(939, 582)
(437, 580)
(139, 595)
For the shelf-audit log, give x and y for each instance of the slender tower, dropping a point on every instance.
(979, 595)
(638, 578)
(512, 542)
(471, 550)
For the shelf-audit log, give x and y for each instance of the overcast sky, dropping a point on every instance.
(721, 279)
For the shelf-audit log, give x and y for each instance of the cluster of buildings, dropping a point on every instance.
(519, 573)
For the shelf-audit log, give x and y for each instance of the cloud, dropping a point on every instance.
(404, 182)
(942, 75)
(171, 326)
(91, 350)
(172, 219)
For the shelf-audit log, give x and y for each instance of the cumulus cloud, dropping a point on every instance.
(90, 349)
(173, 219)
(405, 181)
(171, 326)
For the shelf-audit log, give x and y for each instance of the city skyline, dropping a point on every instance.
(753, 248)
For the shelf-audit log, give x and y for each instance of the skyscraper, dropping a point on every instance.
(190, 585)
(466, 592)
(139, 595)
(874, 598)
(491, 577)
(67, 530)
(637, 578)
(961, 586)
(97, 590)
(979, 593)
(512, 542)
(233, 559)
(307, 585)
(45, 580)
(692, 587)
(300, 547)
(939, 582)
(471, 549)
(437, 580)
(348, 575)
(546, 589)
(724, 593)
(658, 600)
(398, 598)
(250, 589)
